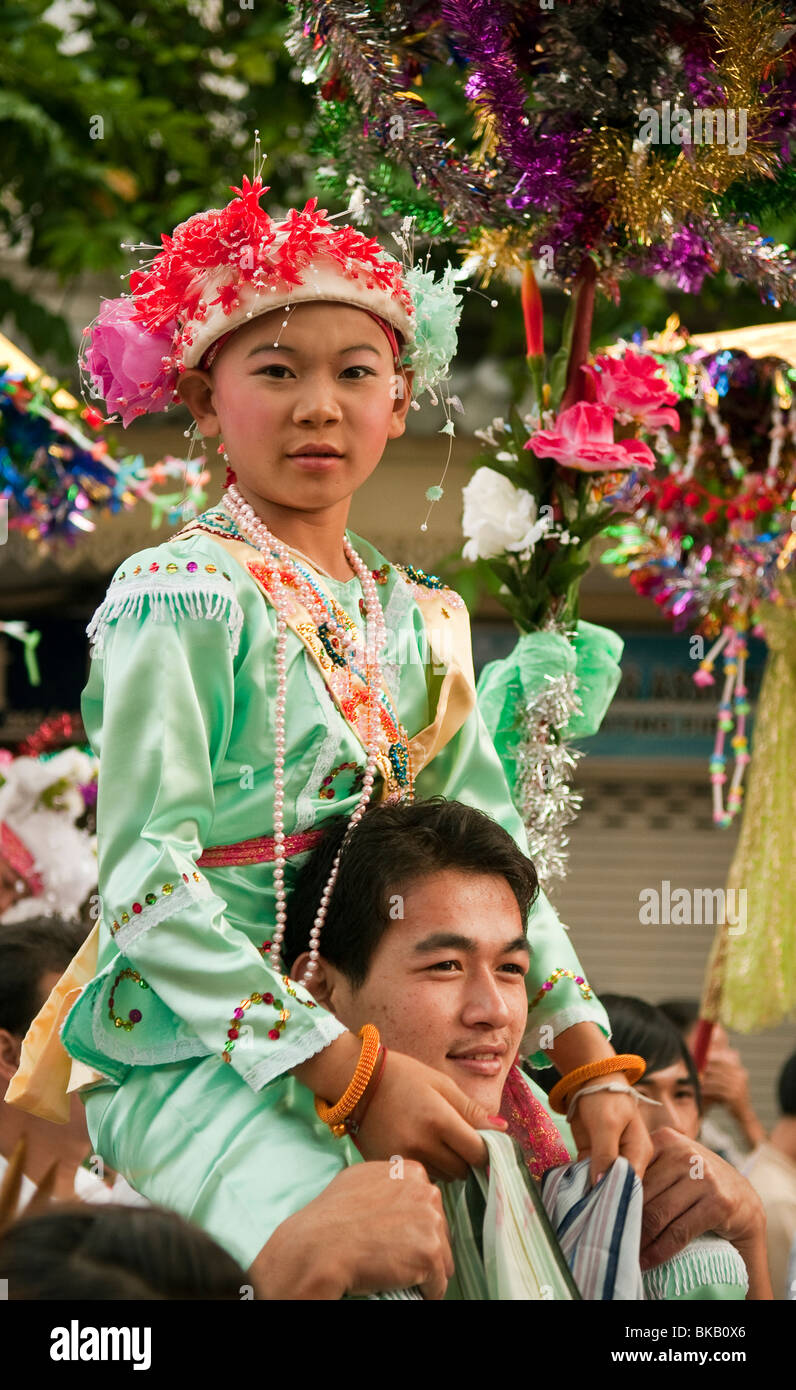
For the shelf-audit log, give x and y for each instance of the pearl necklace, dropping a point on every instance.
(250, 524)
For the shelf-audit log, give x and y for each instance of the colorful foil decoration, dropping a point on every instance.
(630, 143)
(545, 762)
(58, 475)
(711, 535)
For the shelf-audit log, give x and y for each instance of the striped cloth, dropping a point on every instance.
(503, 1244)
(515, 1239)
(598, 1228)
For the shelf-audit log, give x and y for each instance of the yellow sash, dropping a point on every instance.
(46, 1072)
(45, 1076)
(449, 643)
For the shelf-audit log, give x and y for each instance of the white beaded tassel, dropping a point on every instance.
(248, 521)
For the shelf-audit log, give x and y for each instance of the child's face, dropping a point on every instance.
(268, 403)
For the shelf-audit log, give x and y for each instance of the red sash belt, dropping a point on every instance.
(260, 850)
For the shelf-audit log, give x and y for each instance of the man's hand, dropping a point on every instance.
(415, 1112)
(374, 1228)
(725, 1081)
(688, 1190)
(607, 1124)
(422, 1114)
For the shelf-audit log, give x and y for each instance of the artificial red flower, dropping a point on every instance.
(584, 439)
(634, 387)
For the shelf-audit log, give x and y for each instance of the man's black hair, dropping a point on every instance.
(114, 1252)
(683, 1013)
(29, 950)
(394, 844)
(645, 1029)
(786, 1087)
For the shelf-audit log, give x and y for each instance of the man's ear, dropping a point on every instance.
(195, 389)
(10, 1052)
(322, 983)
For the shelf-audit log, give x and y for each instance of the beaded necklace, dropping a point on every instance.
(292, 575)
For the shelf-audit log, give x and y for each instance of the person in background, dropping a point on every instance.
(364, 1233)
(772, 1172)
(71, 1251)
(729, 1125)
(703, 1222)
(33, 956)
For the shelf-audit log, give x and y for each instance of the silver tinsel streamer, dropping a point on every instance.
(745, 252)
(545, 762)
(365, 49)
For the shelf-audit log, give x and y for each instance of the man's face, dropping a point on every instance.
(331, 380)
(674, 1089)
(446, 983)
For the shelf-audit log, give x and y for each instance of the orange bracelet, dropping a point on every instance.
(335, 1115)
(353, 1127)
(628, 1062)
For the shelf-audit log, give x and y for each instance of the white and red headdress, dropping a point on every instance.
(227, 265)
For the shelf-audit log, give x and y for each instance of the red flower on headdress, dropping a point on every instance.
(251, 193)
(243, 240)
(227, 297)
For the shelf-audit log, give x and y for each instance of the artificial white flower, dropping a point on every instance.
(498, 516)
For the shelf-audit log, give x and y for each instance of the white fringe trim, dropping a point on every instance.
(169, 598)
(708, 1260)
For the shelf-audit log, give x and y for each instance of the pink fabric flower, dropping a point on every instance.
(584, 439)
(125, 362)
(634, 386)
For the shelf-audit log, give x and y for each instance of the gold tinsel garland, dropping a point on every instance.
(496, 251)
(650, 193)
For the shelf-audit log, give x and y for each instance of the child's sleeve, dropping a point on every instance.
(468, 769)
(164, 671)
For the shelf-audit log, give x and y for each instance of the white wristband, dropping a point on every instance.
(618, 1086)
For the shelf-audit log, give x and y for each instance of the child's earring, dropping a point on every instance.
(230, 476)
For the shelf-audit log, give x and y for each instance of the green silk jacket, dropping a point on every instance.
(179, 709)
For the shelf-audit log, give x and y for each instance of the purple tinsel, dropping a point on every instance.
(702, 84)
(540, 156)
(687, 257)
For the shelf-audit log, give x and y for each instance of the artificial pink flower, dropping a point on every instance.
(584, 439)
(633, 386)
(125, 362)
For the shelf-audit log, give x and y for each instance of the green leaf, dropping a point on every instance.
(519, 433)
(506, 469)
(558, 366)
(45, 331)
(531, 472)
(567, 499)
(536, 372)
(507, 574)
